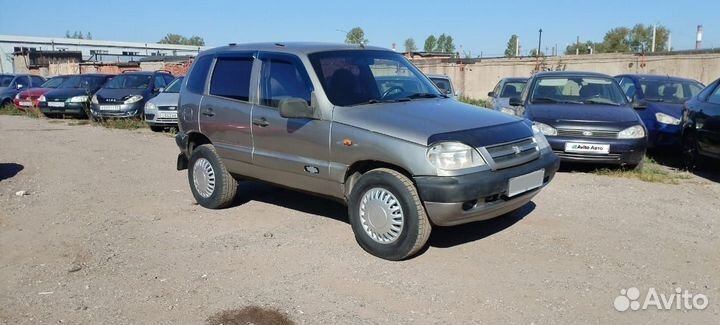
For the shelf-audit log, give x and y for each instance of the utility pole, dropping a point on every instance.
(537, 53)
(577, 46)
(517, 46)
(669, 44)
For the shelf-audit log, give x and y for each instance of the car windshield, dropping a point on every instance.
(5, 81)
(512, 89)
(130, 81)
(87, 82)
(357, 77)
(443, 84)
(669, 91)
(174, 86)
(53, 82)
(578, 90)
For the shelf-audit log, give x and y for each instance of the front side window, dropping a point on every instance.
(512, 89)
(130, 81)
(159, 82)
(443, 84)
(714, 97)
(283, 79)
(357, 77)
(577, 90)
(231, 78)
(669, 91)
(22, 80)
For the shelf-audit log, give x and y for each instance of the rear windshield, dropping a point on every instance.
(130, 81)
(578, 90)
(669, 91)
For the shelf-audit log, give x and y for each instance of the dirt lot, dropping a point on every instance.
(109, 233)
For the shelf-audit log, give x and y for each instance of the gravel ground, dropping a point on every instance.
(108, 232)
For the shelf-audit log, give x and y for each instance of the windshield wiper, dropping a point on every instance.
(599, 102)
(658, 100)
(553, 100)
(423, 95)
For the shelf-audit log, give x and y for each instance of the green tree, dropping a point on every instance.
(410, 45)
(88, 36)
(617, 40)
(510, 49)
(440, 46)
(171, 38)
(430, 43)
(356, 36)
(77, 35)
(449, 46)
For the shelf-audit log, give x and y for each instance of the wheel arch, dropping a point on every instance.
(358, 168)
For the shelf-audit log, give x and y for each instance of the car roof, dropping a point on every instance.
(292, 47)
(512, 79)
(430, 75)
(570, 74)
(656, 77)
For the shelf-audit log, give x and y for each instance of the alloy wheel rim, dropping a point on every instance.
(204, 177)
(381, 215)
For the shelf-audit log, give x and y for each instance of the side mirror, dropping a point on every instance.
(515, 101)
(295, 108)
(639, 103)
(158, 90)
(491, 94)
(19, 86)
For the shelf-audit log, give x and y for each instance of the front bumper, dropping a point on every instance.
(480, 196)
(118, 110)
(68, 109)
(622, 151)
(664, 135)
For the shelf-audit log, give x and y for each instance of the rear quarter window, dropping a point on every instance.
(198, 74)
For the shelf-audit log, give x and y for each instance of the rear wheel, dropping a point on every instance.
(211, 184)
(387, 216)
(691, 158)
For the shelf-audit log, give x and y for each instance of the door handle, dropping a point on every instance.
(208, 112)
(261, 122)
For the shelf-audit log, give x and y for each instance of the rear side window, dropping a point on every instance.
(282, 79)
(231, 78)
(198, 75)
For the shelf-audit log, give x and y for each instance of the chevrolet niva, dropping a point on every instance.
(312, 117)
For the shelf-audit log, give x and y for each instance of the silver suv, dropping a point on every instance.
(313, 117)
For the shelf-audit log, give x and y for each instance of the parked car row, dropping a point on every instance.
(595, 118)
(128, 95)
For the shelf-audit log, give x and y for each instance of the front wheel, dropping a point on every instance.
(691, 158)
(387, 216)
(211, 184)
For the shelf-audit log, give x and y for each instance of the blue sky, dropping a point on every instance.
(477, 26)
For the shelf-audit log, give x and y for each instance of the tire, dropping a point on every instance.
(383, 191)
(691, 158)
(638, 167)
(156, 128)
(207, 165)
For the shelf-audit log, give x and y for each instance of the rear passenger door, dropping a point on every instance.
(707, 118)
(292, 151)
(225, 110)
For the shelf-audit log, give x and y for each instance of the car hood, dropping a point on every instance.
(120, 94)
(65, 93)
(432, 120)
(581, 113)
(674, 110)
(166, 99)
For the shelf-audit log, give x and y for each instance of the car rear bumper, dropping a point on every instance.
(622, 151)
(479, 196)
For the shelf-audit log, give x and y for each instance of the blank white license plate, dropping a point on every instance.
(524, 183)
(109, 107)
(587, 148)
(168, 114)
(56, 104)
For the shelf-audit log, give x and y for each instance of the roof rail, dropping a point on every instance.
(133, 70)
(232, 44)
(163, 70)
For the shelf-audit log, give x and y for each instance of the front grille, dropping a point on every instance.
(600, 134)
(512, 153)
(167, 108)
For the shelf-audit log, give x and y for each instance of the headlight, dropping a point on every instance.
(94, 99)
(667, 119)
(453, 156)
(633, 132)
(544, 128)
(541, 141)
(78, 99)
(42, 98)
(133, 99)
(149, 106)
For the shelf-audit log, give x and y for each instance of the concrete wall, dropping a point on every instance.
(477, 79)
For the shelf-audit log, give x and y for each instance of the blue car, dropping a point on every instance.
(585, 117)
(659, 101)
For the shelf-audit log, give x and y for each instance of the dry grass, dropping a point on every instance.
(123, 123)
(250, 315)
(473, 101)
(11, 110)
(652, 172)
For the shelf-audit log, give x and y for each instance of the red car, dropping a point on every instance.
(29, 98)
